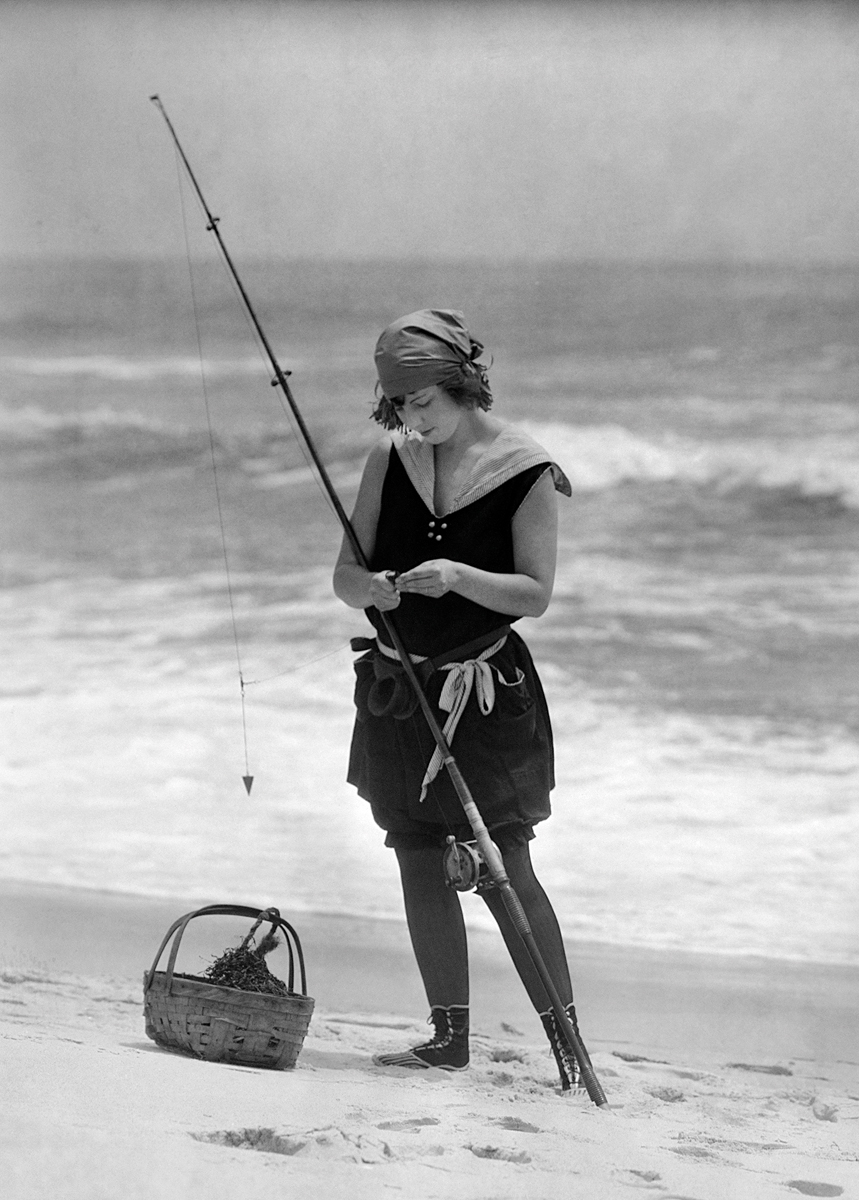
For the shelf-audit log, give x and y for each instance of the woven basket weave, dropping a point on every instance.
(222, 1024)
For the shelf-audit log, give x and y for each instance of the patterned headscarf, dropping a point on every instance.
(426, 347)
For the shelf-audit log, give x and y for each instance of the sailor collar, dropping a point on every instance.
(511, 452)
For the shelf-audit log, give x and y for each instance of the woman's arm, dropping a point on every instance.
(353, 584)
(524, 593)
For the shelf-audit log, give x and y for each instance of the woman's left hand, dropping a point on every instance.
(433, 578)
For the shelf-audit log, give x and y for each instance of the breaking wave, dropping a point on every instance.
(103, 442)
(600, 457)
(129, 370)
(594, 457)
(32, 423)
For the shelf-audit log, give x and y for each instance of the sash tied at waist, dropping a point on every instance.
(467, 670)
(474, 674)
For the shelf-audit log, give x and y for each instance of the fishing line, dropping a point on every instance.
(243, 683)
(262, 348)
(300, 667)
(247, 777)
(295, 431)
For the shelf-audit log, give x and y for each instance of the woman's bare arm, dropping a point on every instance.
(353, 584)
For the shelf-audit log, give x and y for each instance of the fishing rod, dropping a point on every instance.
(489, 851)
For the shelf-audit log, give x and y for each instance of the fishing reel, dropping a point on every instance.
(465, 867)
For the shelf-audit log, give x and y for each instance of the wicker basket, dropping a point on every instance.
(222, 1024)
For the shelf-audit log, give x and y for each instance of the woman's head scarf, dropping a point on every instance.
(426, 347)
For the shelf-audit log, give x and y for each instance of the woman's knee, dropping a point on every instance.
(418, 858)
(520, 869)
(421, 868)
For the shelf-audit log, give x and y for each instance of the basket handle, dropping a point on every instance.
(231, 910)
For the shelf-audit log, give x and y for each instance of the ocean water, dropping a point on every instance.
(701, 653)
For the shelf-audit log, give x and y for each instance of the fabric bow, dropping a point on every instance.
(475, 674)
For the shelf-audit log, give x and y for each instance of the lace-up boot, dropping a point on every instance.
(447, 1048)
(568, 1067)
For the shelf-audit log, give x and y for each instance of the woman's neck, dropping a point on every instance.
(477, 428)
(455, 458)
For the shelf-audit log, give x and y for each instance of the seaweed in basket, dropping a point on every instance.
(244, 968)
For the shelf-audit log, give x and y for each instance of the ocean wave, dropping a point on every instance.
(595, 457)
(601, 457)
(30, 422)
(124, 445)
(130, 370)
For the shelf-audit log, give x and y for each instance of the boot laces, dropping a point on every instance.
(568, 1064)
(445, 1032)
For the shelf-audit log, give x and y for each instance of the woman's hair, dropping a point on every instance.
(469, 388)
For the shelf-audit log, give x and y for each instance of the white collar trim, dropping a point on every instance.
(510, 453)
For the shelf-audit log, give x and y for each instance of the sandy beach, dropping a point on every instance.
(726, 1077)
(646, 213)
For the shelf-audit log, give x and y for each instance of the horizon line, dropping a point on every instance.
(792, 261)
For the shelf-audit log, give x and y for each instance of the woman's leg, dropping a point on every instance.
(544, 926)
(436, 926)
(547, 935)
(438, 938)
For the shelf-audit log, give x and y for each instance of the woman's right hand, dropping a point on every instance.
(384, 592)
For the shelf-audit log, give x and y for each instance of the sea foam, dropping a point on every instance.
(599, 457)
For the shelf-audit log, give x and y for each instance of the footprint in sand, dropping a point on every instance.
(761, 1069)
(807, 1188)
(410, 1123)
(669, 1094)
(824, 1112)
(502, 1055)
(330, 1142)
(499, 1153)
(638, 1058)
(516, 1124)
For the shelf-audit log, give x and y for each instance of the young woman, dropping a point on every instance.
(456, 514)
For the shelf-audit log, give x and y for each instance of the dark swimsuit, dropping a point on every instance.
(506, 756)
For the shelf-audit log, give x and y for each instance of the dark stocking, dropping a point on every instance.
(436, 926)
(544, 926)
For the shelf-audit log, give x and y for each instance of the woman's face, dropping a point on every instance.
(431, 413)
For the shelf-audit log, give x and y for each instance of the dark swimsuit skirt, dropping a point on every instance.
(506, 757)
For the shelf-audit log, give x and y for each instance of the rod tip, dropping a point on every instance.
(156, 98)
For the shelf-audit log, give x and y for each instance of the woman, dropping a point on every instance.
(456, 514)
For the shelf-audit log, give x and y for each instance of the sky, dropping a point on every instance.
(421, 128)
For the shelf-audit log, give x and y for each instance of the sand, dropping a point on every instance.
(727, 1077)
